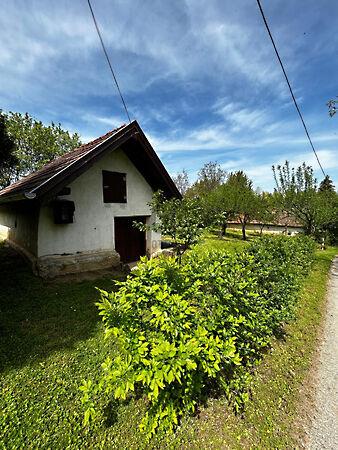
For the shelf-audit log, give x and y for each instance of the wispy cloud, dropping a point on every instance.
(200, 76)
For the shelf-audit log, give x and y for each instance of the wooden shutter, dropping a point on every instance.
(114, 187)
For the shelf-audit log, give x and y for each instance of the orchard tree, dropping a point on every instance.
(218, 207)
(242, 200)
(210, 177)
(265, 212)
(182, 181)
(178, 218)
(35, 143)
(297, 194)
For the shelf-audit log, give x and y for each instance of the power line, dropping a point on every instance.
(288, 83)
(108, 60)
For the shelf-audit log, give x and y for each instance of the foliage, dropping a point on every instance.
(242, 200)
(297, 194)
(209, 178)
(332, 105)
(183, 330)
(7, 156)
(232, 200)
(265, 212)
(326, 185)
(182, 181)
(216, 207)
(282, 385)
(180, 219)
(35, 143)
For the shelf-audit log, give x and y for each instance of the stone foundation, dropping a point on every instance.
(51, 266)
(28, 257)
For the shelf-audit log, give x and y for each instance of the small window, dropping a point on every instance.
(114, 187)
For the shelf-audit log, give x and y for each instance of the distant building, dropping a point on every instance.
(284, 224)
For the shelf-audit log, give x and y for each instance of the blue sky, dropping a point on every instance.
(200, 76)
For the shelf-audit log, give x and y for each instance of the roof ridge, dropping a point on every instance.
(90, 143)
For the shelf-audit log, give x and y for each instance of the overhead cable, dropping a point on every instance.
(289, 85)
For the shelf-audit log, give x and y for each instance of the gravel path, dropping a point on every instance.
(324, 429)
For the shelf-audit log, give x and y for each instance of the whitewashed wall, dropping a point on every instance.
(21, 223)
(93, 227)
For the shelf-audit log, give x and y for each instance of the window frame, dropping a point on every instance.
(112, 191)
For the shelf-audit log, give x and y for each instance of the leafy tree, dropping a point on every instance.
(217, 207)
(326, 185)
(209, 178)
(265, 212)
(298, 195)
(182, 181)
(7, 156)
(179, 219)
(35, 143)
(242, 200)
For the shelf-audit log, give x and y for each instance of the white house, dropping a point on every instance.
(77, 212)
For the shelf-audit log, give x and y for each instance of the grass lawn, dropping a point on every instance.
(51, 339)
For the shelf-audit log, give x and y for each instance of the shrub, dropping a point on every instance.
(184, 331)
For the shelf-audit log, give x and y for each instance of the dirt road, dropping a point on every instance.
(323, 433)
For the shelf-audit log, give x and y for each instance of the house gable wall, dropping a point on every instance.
(93, 227)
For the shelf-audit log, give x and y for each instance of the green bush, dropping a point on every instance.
(184, 331)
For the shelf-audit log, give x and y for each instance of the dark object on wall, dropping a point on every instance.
(63, 211)
(114, 187)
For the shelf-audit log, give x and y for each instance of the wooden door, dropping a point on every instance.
(130, 242)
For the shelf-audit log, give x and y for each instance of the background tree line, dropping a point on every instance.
(231, 197)
(26, 144)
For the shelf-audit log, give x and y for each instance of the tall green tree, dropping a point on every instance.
(7, 155)
(326, 185)
(243, 202)
(217, 207)
(265, 213)
(297, 193)
(35, 143)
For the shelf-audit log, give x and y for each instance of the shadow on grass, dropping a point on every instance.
(38, 318)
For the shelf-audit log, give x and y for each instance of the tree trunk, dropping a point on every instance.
(224, 228)
(243, 231)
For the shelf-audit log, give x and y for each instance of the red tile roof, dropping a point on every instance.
(35, 179)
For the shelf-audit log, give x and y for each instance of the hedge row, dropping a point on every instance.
(185, 331)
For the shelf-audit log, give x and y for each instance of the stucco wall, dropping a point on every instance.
(93, 227)
(21, 221)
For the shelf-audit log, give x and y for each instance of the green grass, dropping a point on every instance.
(273, 418)
(231, 242)
(51, 339)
